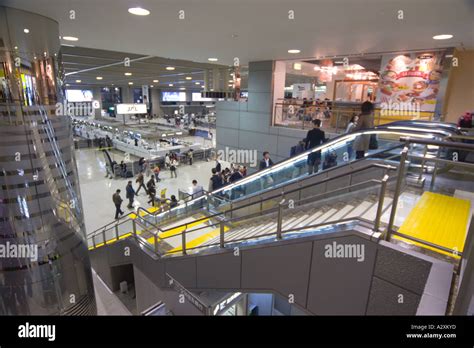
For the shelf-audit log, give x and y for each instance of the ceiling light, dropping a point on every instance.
(297, 66)
(196, 83)
(70, 38)
(170, 68)
(34, 57)
(16, 47)
(130, 83)
(151, 86)
(138, 11)
(442, 37)
(63, 44)
(26, 30)
(294, 51)
(171, 85)
(212, 59)
(67, 84)
(182, 88)
(231, 81)
(339, 62)
(189, 78)
(99, 78)
(156, 81)
(128, 74)
(78, 81)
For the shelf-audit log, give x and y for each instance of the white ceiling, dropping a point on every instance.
(262, 28)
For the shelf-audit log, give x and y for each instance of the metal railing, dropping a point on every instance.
(436, 161)
(223, 220)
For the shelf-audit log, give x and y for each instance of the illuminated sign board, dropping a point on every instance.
(126, 109)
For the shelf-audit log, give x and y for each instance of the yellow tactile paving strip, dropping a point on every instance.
(199, 240)
(438, 219)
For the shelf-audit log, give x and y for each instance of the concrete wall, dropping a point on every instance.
(247, 125)
(460, 91)
(389, 280)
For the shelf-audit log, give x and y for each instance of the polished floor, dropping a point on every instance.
(97, 190)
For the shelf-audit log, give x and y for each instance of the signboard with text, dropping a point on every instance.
(129, 109)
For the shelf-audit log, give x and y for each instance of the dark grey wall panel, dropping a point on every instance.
(404, 270)
(220, 271)
(183, 270)
(340, 286)
(282, 268)
(389, 299)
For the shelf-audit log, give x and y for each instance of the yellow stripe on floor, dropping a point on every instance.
(200, 240)
(179, 229)
(150, 210)
(438, 219)
(113, 240)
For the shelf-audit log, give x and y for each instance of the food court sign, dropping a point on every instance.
(411, 79)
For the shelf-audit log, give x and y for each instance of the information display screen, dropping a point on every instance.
(174, 96)
(78, 95)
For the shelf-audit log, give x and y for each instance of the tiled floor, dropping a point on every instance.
(97, 190)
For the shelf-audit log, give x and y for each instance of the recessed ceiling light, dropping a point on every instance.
(231, 81)
(170, 68)
(442, 37)
(70, 38)
(182, 88)
(196, 83)
(78, 81)
(130, 83)
(339, 62)
(171, 85)
(34, 57)
(16, 47)
(128, 74)
(188, 78)
(67, 84)
(297, 66)
(294, 51)
(212, 59)
(151, 86)
(67, 45)
(26, 30)
(156, 81)
(138, 11)
(99, 77)
(212, 89)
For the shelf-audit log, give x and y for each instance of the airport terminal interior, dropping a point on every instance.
(249, 158)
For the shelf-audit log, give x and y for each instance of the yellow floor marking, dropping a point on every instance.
(178, 230)
(201, 239)
(150, 210)
(438, 219)
(113, 240)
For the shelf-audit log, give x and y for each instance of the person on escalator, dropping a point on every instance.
(350, 128)
(366, 121)
(314, 138)
(173, 202)
(215, 182)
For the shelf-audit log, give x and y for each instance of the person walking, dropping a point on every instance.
(156, 172)
(130, 194)
(118, 203)
(140, 180)
(197, 190)
(314, 138)
(190, 156)
(167, 161)
(366, 121)
(173, 165)
(350, 128)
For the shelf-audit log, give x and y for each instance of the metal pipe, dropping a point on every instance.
(103, 236)
(116, 232)
(279, 221)
(183, 242)
(222, 230)
(383, 188)
(134, 226)
(400, 175)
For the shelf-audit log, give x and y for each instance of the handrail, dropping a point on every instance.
(387, 167)
(275, 209)
(455, 145)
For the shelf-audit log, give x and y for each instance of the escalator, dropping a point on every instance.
(274, 234)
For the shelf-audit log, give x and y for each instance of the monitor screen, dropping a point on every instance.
(79, 95)
(174, 96)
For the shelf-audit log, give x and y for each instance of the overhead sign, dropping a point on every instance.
(127, 109)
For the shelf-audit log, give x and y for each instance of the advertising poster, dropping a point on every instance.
(411, 79)
(301, 90)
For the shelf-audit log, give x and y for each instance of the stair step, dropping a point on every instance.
(341, 213)
(360, 209)
(372, 212)
(325, 216)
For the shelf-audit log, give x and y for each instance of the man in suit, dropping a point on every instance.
(266, 161)
(314, 138)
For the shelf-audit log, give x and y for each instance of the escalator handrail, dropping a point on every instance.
(372, 165)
